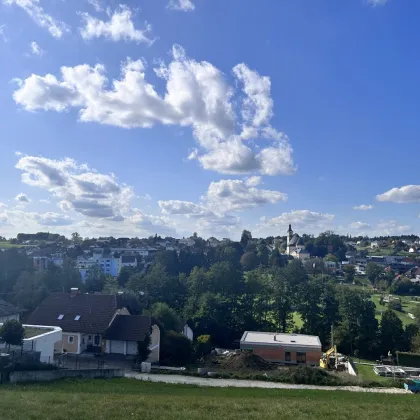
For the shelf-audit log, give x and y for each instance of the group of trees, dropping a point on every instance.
(225, 296)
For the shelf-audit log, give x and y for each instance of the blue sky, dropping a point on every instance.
(137, 117)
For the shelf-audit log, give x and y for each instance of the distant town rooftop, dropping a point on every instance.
(280, 339)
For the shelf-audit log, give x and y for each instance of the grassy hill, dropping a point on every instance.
(131, 399)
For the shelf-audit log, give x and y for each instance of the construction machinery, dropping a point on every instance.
(329, 360)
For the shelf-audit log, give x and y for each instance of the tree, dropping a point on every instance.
(143, 349)
(75, 237)
(30, 290)
(415, 344)
(95, 279)
(167, 317)
(331, 258)
(263, 254)
(349, 273)
(111, 285)
(410, 331)
(245, 237)
(203, 346)
(373, 271)
(390, 332)
(176, 349)
(249, 261)
(12, 333)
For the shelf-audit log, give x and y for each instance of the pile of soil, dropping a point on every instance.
(247, 360)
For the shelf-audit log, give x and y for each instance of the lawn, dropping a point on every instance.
(366, 372)
(406, 305)
(33, 332)
(128, 398)
(4, 245)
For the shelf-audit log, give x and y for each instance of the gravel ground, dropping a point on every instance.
(192, 380)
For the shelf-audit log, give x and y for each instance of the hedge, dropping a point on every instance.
(408, 359)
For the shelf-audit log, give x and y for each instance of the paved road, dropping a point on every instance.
(192, 380)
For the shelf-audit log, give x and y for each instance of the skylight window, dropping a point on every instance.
(61, 316)
(77, 317)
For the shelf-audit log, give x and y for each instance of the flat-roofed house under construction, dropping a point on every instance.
(283, 348)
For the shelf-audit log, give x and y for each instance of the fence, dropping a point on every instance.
(52, 375)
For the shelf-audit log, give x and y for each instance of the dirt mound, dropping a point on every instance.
(247, 360)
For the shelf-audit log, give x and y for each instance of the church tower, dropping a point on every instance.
(289, 237)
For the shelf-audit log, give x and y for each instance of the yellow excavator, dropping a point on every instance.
(329, 360)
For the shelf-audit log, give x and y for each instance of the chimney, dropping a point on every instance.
(74, 291)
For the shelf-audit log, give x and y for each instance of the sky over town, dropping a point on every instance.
(130, 118)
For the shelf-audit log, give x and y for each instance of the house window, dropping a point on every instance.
(288, 356)
(61, 316)
(301, 357)
(89, 338)
(71, 339)
(77, 317)
(97, 340)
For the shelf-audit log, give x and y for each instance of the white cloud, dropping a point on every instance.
(231, 195)
(304, 220)
(96, 5)
(52, 219)
(375, 3)
(119, 27)
(78, 187)
(32, 7)
(406, 194)
(181, 5)
(35, 49)
(197, 95)
(360, 225)
(363, 207)
(2, 35)
(186, 208)
(22, 198)
(391, 227)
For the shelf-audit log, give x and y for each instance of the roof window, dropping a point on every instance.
(77, 317)
(61, 316)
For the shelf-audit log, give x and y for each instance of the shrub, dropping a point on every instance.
(176, 349)
(408, 359)
(395, 305)
(203, 346)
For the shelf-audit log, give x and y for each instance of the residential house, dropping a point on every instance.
(374, 244)
(126, 330)
(97, 323)
(9, 312)
(84, 318)
(187, 242)
(128, 261)
(283, 348)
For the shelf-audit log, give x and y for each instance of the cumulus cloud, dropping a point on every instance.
(363, 207)
(231, 195)
(197, 95)
(78, 187)
(304, 220)
(120, 26)
(181, 5)
(52, 219)
(360, 225)
(32, 7)
(186, 208)
(22, 198)
(35, 49)
(406, 194)
(391, 227)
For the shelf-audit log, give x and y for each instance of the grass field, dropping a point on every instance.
(4, 245)
(366, 372)
(131, 399)
(406, 305)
